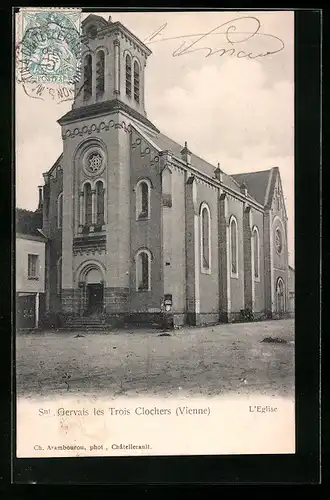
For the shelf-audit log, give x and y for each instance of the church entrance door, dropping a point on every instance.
(94, 298)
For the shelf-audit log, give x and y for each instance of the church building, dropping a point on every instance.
(138, 226)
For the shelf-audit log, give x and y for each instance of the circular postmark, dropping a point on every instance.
(49, 54)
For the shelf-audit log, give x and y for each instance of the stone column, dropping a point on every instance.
(268, 263)
(167, 232)
(45, 204)
(142, 86)
(67, 229)
(37, 310)
(94, 208)
(166, 222)
(82, 297)
(286, 287)
(104, 208)
(94, 78)
(192, 253)
(224, 260)
(228, 264)
(116, 91)
(81, 209)
(248, 267)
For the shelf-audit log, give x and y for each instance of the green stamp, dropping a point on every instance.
(50, 47)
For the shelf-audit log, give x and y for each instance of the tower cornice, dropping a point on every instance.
(103, 108)
(121, 30)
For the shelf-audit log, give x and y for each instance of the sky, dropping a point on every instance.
(237, 111)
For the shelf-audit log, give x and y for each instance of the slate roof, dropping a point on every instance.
(256, 183)
(93, 17)
(164, 142)
(28, 222)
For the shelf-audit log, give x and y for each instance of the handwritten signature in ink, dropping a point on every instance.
(232, 35)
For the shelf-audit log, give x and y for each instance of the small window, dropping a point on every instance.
(60, 211)
(256, 254)
(128, 76)
(143, 264)
(143, 199)
(233, 248)
(205, 226)
(100, 74)
(136, 82)
(33, 266)
(87, 77)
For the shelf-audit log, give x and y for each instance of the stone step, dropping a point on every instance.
(85, 320)
(82, 329)
(82, 322)
(86, 323)
(88, 326)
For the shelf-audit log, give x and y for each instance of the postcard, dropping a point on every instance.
(155, 277)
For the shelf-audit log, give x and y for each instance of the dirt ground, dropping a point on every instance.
(211, 361)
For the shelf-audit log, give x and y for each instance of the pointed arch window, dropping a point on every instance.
(87, 77)
(233, 248)
(136, 82)
(256, 253)
(143, 270)
(280, 296)
(60, 211)
(128, 61)
(205, 233)
(88, 204)
(100, 69)
(99, 203)
(143, 188)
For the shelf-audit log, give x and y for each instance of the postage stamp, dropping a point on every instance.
(48, 52)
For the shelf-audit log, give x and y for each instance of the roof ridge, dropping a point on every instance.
(253, 172)
(230, 175)
(145, 135)
(197, 156)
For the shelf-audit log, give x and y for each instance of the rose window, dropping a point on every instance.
(94, 162)
(278, 240)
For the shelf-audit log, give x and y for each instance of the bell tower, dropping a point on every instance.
(97, 169)
(113, 65)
